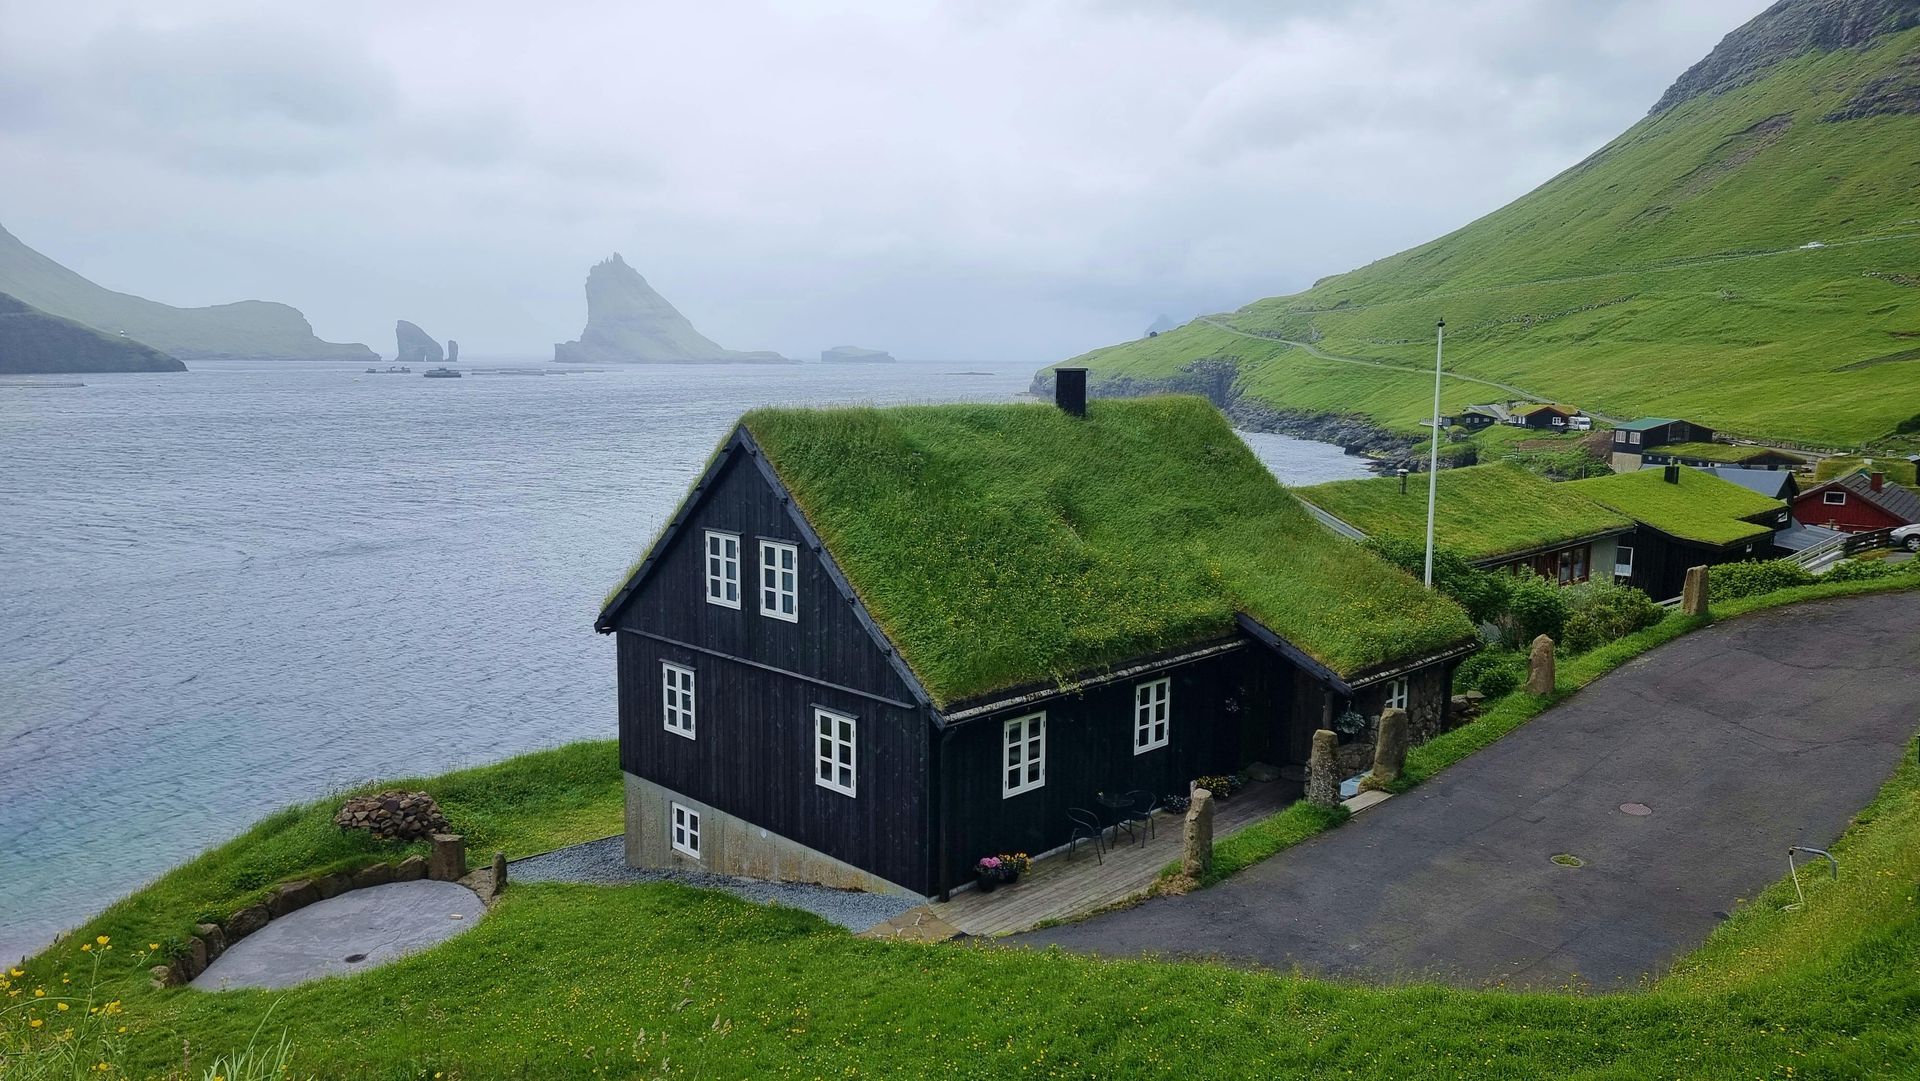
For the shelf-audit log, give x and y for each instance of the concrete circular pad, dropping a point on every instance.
(372, 926)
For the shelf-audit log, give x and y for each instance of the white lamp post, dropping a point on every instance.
(1433, 462)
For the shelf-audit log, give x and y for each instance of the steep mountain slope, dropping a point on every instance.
(33, 342)
(253, 329)
(1748, 255)
(629, 323)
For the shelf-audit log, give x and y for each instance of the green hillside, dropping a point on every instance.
(33, 342)
(251, 329)
(1747, 256)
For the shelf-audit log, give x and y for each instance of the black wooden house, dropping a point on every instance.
(875, 645)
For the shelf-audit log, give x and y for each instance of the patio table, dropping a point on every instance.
(1117, 805)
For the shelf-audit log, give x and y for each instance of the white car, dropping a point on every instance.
(1908, 537)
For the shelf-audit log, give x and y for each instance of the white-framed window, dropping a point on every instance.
(1152, 715)
(723, 569)
(1559, 422)
(1623, 561)
(1834, 499)
(676, 698)
(684, 830)
(1397, 694)
(1025, 768)
(1634, 438)
(833, 755)
(780, 581)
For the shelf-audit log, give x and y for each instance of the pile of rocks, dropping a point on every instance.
(393, 816)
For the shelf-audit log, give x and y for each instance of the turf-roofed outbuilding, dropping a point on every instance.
(875, 645)
(1684, 517)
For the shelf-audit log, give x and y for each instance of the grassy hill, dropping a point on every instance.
(1748, 256)
(33, 342)
(253, 329)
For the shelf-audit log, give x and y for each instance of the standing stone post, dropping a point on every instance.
(448, 860)
(1196, 852)
(499, 872)
(1540, 667)
(1390, 748)
(1323, 786)
(1693, 596)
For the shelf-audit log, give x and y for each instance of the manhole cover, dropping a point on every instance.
(355, 958)
(1568, 859)
(1636, 809)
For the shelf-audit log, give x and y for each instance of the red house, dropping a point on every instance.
(1857, 503)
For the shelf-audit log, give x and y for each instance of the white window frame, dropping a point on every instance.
(1023, 765)
(718, 577)
(1633, 438)
(677, 698)
(683, 829)
(773, 550)
(1623, 561)
(1150, 731)
(1828, 498)
(1396, 694)
(840, 734)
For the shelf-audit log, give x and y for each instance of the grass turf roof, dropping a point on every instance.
(1702, 507)
(1000, 545)
(1484, 511)
(1716, 452)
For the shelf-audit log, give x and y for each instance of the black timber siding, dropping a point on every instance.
(1661, 561)
(758, 680)
(1090, 750)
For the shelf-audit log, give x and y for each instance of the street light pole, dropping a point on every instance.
(1433, 462)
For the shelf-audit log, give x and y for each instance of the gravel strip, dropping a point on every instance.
(604, 863)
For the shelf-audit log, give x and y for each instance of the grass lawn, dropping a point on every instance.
(1483, 511)
(1701, 507)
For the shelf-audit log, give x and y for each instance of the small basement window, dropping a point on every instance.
(780, 581)
(723, 569)
(834, 751)
(1833, 499)
(1623, 561)
(1026, 762)
(1151, 715)
(1397, 694)
(676, 698)
(685, 830)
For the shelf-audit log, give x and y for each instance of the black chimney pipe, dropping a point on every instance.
(1070, 390)
(1673, 474)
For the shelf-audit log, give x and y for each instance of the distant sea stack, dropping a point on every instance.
(629, 323)
(249, 329)
(853, 354)
(35, 343)
(415, 347)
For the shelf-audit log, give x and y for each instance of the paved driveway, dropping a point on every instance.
(1741, 739)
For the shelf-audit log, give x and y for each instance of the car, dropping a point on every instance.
(1908, 537)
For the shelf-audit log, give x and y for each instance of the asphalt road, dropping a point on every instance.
(1739, 740)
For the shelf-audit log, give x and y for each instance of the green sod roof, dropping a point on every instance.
(1714, 452)
(1701, 508)
(1002, 545)
(1484, 511)
(1643, 424)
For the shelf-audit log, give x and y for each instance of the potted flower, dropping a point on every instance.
(1013, 865)
(986, 873)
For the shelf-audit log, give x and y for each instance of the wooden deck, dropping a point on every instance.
(1059, 888)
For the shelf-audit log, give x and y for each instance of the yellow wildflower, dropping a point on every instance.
(153, 945)
(16, 973)
(35, 1023)
(103, 940)
(86, 947)
(61, 1006)
(39, 992)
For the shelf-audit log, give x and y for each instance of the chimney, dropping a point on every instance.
(1070, 390)
(1403, 479)
(1878, 480)
(1673, 474)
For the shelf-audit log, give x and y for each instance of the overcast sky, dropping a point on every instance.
(946, 180)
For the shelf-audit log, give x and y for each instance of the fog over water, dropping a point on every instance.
(249, 585)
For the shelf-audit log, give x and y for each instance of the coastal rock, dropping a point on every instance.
(245, 922)
(415, 346)
(629, 323)
(453, 351)
(853, 354)
(393, 816)
(291, 897)
(1786, 30)
(213, 936)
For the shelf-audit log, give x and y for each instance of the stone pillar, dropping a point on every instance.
(499, 872)
(1693, 596)
(1196, 852)
(1540, 666)
(448, 861)
(1390, 748)
(1323, 782)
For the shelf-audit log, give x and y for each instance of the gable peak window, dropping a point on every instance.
(1025, 765)
(780, 580)
(723, 569)
(1152, 715)
(833, 759)
(1397, 694)
(676, 698)
(1833, 497)
(683, 829)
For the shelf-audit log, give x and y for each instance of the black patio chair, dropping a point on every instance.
(1140, 808)
(1086, 827)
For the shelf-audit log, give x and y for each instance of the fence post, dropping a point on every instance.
(1323, 787)
(1693, 597)
(1196, 843)
(1540, 666)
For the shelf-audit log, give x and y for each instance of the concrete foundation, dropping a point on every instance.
(732, 846)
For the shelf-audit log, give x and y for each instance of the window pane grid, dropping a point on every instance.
(1152, 715)
(1025, 768)
(676, 698)
(834, 759)
(780, 581)
(684, 830)
(723, 569)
